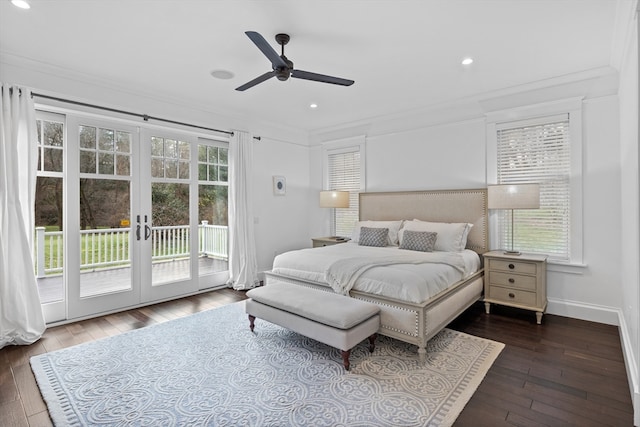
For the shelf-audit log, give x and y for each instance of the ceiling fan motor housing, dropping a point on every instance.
(283, 73)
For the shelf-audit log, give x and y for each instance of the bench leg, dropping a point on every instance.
(372, 342)
(345, 358)
(252, 319)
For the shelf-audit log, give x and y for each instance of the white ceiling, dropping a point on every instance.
(402, 54)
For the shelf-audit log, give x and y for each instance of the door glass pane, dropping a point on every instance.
(170, 235)
(105, 236)
(48, 240)
(213, 229)
(212, 209)
(105, 151)
(49, 249)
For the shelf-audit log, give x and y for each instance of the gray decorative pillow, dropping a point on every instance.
(373, 236)
(423, 241)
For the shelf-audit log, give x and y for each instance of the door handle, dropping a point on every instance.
(147, 228)
(138, 227)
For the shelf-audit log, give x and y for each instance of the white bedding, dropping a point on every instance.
(413, 282)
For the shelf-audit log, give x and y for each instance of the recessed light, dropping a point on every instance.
(467, 61)
(222, 74)
(22, 4)
(313, 105)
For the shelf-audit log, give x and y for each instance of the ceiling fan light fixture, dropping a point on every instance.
(467, 61)
(313, 105)
(22, 4)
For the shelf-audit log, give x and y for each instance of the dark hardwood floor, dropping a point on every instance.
(565, 372)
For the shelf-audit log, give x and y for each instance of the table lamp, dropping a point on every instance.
(334, 199)
(513, 196)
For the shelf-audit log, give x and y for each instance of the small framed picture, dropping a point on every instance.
(279, 186)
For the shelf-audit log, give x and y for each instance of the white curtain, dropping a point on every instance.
(243, 265)
(21, 319)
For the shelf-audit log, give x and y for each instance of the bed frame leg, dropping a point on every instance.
(422, 353)
(372, 342)
(345, 358)
(252, 320)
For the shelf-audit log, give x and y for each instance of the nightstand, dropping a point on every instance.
(327, 241)
(516, 280)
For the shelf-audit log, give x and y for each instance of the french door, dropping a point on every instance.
(184, 214)
(102, 258)
(138, 223)
(169, 244)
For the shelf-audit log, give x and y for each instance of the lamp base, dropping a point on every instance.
(513, 253)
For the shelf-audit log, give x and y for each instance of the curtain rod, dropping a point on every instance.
(144, 117)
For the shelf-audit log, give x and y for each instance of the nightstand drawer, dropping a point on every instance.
(514, 266)
(512, 280)
(512, 296)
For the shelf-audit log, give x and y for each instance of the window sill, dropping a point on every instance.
(566, 267)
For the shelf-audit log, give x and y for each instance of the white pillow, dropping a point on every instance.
(393, 226)
(452, 237)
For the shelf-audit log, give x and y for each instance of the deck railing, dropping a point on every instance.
(107, 247)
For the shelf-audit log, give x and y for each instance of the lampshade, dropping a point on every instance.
(334, 199)
(513, 196)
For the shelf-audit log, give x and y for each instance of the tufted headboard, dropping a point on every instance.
(435, 205)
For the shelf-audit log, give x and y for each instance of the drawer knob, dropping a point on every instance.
(512, 295)
(512, 280)
(511, 266)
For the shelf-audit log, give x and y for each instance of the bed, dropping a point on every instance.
(412, 315)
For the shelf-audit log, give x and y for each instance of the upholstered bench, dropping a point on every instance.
(335, 320)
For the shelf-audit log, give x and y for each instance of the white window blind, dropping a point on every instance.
(537, 152)
(343, 173)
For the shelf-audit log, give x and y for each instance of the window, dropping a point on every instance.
(538, 153)
(344, 171)
(544, 150)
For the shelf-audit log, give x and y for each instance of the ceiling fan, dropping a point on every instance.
(282, 67)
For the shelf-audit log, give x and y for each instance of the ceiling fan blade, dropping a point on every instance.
(299, 74)
(259, 79)
(266, 49)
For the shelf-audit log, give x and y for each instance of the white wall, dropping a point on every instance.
(629, 93)
(282, 222)
(447, 156)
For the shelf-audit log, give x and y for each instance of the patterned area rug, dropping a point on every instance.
(208, 369)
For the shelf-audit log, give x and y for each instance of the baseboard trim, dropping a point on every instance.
(584, 311)
(631, 365)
